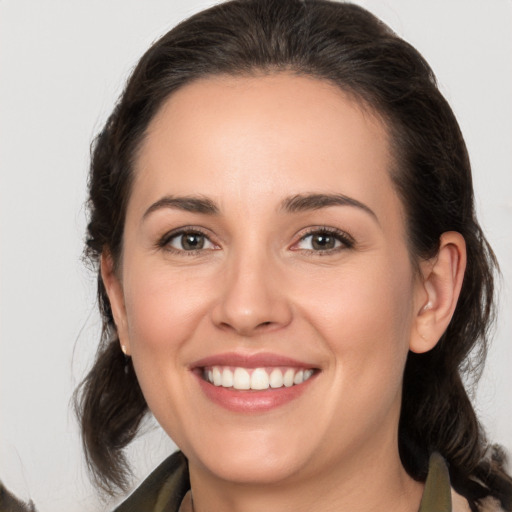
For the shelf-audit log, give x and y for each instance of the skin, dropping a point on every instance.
(259, 285)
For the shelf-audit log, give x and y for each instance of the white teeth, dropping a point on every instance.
(288, 378)
(217, 376)
(241, 379)
(227, 378)
(257, 378)
(276, 379)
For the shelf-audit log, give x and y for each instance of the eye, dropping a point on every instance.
(324, 240)
(188, 241)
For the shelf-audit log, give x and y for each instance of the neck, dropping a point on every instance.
(367, 481)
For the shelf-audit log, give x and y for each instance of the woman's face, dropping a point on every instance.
(264, 245)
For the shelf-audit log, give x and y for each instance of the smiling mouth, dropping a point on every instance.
(257, 379)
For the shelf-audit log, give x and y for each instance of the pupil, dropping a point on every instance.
(192, 241)
(323, 242)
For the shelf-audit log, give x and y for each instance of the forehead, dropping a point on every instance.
(273, 135)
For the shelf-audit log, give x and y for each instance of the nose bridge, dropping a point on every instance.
(251, 298)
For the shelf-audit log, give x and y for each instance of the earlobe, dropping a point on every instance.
(115, 294)
(442, 278)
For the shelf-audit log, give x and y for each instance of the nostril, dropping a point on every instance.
(250, 313)
(264, 324)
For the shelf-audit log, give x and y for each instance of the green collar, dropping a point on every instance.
(165, 488)
(437, 496)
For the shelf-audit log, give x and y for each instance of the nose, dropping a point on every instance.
(253, 297)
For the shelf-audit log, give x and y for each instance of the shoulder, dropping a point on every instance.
(163, 489)
(440, 495)
(459, 503)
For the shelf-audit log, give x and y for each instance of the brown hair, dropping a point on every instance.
(348, 46)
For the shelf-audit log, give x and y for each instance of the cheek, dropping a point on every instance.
(365, 314)
(162, 308)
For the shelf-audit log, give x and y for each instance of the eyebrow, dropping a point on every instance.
(307, 202)
(293, 204)
(186, 203)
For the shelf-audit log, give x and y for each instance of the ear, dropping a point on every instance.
(114, 289)
(441, 282)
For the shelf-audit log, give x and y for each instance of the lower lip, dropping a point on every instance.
(252, 401)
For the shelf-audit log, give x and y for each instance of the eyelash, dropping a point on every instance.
(346, 240)
(165, 241)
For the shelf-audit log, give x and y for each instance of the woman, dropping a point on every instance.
(282, 218)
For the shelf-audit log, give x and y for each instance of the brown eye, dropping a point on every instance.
(190, 241)
(324, 241)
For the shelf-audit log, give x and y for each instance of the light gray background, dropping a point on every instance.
(62, 64)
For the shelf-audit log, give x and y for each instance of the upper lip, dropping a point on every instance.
(259, 360)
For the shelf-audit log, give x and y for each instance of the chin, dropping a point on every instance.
(254, 470)
(251, 462)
